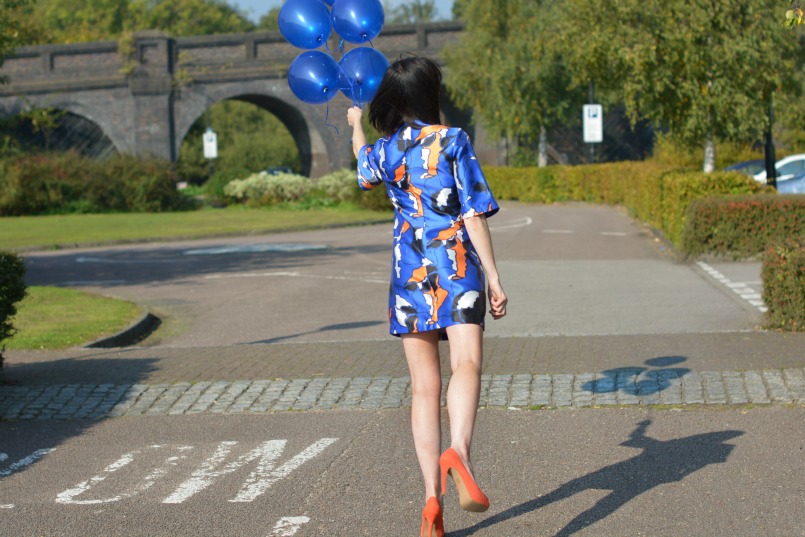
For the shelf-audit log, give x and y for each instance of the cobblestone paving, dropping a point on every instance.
(625, 387)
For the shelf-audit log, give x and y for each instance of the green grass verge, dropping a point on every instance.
(60, 231)
(55, 318)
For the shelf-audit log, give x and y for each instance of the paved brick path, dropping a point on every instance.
(626, 387)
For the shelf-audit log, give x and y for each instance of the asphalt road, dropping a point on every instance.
(612, 472)
(574, 270)
(590, 286)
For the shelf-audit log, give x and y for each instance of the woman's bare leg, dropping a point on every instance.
(464, 390)
(422, 354)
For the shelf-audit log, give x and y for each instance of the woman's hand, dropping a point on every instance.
(354, 116)
(497, 300)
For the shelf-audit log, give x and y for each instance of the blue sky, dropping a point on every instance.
(256, 8)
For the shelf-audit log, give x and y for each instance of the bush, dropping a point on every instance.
(264, 189)
(783, 275)
(12, 291)
(742, 226)
(654, 193)
(62, 183)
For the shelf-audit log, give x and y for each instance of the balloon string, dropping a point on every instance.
(341, 47)
(327, 119)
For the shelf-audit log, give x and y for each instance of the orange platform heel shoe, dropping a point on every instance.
(470, 496)
(432, 521)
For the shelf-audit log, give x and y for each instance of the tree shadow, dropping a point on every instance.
(331, 327)
(661, 462)
(638, 380)
(38, 389)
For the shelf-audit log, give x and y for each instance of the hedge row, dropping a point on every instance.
(783, 276)
(69, 183)
(656, 194)
(743, 226)
(12, 291)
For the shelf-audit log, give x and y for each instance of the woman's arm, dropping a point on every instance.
(354, 116)
(478, 231)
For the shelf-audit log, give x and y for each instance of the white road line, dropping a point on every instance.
(522, 222)
(614, 233)
(558, 231)
(288, 526)
(22, 463)
(7, 506)
(256, 248)
(740, 288)
(291, 275)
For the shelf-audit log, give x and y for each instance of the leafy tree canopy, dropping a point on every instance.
(508, 69)
(413, 12)
(698, 68)
(11, 27)
(74, 21)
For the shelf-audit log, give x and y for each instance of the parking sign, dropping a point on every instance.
(210, 144)
(593, 123)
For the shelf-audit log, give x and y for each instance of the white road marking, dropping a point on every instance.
(522, 222)
(288, 526)
(740, 288)
(256, 248)
(69, 495)
(10, 506)
(614, 233)
(292, 275)
(258, 481)
(559, 231)
(25, 461)
(129, 261)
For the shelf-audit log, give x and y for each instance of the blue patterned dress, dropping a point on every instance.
(434, 181)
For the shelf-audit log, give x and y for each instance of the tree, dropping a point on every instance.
(413, 12)
(189, 17)
(75, 21)
(10, 25)
(270, 21)
(508, 69)
(702, 69)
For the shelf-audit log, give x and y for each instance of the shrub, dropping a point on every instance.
(67, 182)
(654, 193)
(742, 226)
(12, 291)
(264, 189)
(340, 185)
(783, 275)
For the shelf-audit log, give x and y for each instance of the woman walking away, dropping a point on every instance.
(442, 266)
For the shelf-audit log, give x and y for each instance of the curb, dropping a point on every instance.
(130, 335)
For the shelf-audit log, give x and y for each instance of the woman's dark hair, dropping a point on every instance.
(408, 93)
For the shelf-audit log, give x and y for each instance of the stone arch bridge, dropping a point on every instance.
(145, 98)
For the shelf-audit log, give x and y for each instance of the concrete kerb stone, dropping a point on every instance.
(73, 401)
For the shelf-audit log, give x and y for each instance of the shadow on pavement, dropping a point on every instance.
(638, 380)
(331, 327)
(48, 393)
(662, 461)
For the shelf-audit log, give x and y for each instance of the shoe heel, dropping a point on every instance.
(471, 498)
(432, 520)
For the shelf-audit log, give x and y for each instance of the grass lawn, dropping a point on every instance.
(63, 231)
(55, 318)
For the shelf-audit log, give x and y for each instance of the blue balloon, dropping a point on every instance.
(358, 21)
(305, 23)
(362, 69)
(313, 77)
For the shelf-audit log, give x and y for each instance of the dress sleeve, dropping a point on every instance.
(369, 175)
(473, 190)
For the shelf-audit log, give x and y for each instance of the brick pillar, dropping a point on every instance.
(151, 85)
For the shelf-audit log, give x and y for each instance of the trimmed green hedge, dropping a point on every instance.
(656, 194)
(784, 286)
(12, 291)
(61, 183)
(743, 226)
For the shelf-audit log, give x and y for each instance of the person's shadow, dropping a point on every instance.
(662, 461)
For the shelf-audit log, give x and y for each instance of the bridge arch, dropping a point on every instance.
(314, 151)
